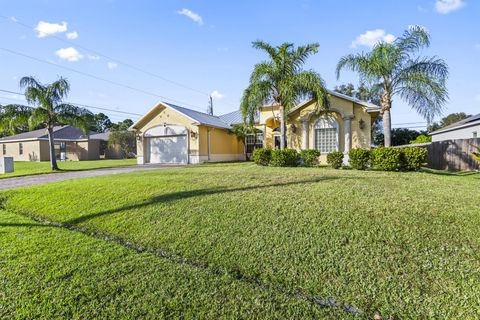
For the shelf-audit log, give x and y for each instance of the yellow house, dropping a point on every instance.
(173, 134)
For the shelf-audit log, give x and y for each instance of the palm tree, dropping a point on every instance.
(14, 119)
(282, 81)
(49, 111)
(398, 69)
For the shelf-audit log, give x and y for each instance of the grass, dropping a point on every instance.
(405, 245)
(26, 168)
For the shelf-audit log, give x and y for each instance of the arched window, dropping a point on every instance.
(326, 133)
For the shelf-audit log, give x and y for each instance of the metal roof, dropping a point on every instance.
(200, 117)
(460, 124)
(235, 117)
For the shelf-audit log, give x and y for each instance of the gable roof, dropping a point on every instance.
(197, 117)
(68, 133)
(470, 121)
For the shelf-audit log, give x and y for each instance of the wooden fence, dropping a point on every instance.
(453, 154)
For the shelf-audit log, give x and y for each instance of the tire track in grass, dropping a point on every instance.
(322, 302)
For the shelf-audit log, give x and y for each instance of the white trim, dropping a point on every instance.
(465, 125)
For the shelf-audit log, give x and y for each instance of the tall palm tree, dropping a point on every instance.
(48, 110)
(398, 69)
(282, 81)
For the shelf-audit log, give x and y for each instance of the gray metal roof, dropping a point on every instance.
(235, 117)
(59, 133)
(462, 123)
(200, 117)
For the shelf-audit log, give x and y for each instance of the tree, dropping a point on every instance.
(122, 126)
(14, 119)
(448, 120)
(282, 81)
(48, 110)
(101, 123)
(399, 71)
(125, 140)
(400, 136)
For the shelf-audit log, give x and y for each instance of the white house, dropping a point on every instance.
(464, 129)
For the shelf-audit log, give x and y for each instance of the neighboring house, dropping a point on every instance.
(173, 134)
(464, 129)
(71, 143)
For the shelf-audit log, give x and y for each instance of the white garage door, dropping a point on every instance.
(169, 149)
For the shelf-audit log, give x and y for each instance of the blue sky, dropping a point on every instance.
(206, 45)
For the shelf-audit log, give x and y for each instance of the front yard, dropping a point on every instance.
(237, 240)
(27, 168)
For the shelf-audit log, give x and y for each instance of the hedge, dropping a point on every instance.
(285, 158)
(396, 159)
(262, 156)
(335, 159)
(359, 158)
(309, 157)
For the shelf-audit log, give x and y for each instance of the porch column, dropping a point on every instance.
(347, 134)
(305, 134)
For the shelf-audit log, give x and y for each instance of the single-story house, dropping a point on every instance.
(173, 134)
(464, 129)
(71, 143)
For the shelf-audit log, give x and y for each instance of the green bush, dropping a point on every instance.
(421, 139)
(310, 157)
(285, 158)
(359, 158)
(388, 158)
(414, 158)
(262, 156)
(335, 159)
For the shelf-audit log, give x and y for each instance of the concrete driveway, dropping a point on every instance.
(18, 182)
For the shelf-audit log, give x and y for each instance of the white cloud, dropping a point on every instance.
(72, 35)
(69, 54)
(217, 95)
(447, 6)
(111, 65)
(372, 37)
(93, 57)
(192, 15)
(46, 29)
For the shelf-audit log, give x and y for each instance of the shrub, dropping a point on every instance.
(310, 157)
(335, 159)
(262, 156)
(414, 158)
(285, 158)
(421, 139)
(359, 158)
(388, 158)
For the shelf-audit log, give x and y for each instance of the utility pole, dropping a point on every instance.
(210, 106)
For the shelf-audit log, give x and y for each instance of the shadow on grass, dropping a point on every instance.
(450, 173)
(164, 198)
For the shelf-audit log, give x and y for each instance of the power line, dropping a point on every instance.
(16, 21)
(77, 104)
(96, 77)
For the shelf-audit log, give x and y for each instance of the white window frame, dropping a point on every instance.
(326, 122)
(257, 140)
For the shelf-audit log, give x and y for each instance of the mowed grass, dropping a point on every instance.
(405, 245)
(52, 273)
(26, 168)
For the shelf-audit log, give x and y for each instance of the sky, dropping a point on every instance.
(128, 55)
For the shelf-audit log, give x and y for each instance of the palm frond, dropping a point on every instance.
(14, 118)
(413, 39)
(310, 85)
(68, 114)
(57, 90)
(39, 116)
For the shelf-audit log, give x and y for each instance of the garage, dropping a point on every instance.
(167, 144)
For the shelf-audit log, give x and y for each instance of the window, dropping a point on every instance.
(326, 135)
(60, 147)
(474, 134)
(254, 141)
(20, 148)
(4, 149)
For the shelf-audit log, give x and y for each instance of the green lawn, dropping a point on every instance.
(403, 244)
(26, 168)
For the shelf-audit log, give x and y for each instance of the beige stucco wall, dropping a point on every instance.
(31, 150)
(224, 145)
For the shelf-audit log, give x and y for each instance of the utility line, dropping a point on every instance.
(16, 21)
(78, 104)
(96, 77)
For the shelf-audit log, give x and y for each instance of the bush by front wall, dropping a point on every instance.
(335, 159)
(262, 156)
(310, 157)
(359, 158)
(414, 158)
(285, 158)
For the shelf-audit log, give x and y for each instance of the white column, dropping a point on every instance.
(305, 134)
(347, 134)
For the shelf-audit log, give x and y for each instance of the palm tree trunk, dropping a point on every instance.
(282, 127)
(53, 160)
(386, 103)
